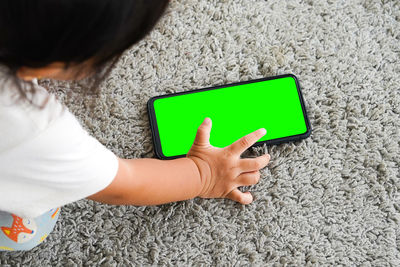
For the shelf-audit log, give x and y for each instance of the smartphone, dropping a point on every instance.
(273, 103)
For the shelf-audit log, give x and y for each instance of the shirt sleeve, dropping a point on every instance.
(59, 165)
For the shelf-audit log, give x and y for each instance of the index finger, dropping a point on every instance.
(247, 141)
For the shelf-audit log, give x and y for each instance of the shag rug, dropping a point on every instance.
(332, 199)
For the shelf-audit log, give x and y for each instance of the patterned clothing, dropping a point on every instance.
(18, 233)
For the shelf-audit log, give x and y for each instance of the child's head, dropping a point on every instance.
(62, 39)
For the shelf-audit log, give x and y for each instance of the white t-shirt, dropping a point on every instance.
(46, 158)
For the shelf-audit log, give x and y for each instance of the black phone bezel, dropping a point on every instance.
(153, 122)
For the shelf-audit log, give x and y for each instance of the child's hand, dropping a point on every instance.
(222, 170)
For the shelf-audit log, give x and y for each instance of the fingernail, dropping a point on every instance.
(263, 131)
(249, 198)
(207, 121)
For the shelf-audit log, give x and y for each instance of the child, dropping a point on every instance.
(46, 158)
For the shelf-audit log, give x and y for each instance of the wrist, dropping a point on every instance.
(203, 174)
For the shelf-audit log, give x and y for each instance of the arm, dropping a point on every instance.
(151, 182)
(207, 172)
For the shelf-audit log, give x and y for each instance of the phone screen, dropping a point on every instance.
(235, 110)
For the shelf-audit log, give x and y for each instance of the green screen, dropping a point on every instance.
(235, 111)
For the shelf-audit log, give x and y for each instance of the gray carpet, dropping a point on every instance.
(332, 199)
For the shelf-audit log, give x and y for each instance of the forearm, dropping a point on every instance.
(152, 182)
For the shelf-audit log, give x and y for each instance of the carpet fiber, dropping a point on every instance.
(332, 199)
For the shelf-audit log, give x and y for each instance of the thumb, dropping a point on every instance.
(238, 196)
(203, 133)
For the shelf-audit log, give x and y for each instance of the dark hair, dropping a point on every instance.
(36, 33)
